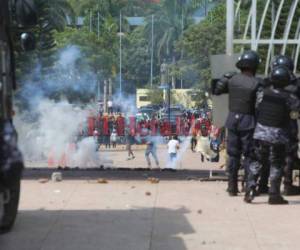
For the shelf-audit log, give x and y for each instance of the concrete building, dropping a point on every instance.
(182, 96)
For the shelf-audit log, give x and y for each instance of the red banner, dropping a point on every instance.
(132, 125)
(91, 125)
(105, 125)
(120, 126)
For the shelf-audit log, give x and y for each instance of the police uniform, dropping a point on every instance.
(291, 149)
(272, 135)
(240, 122)
(292, 146)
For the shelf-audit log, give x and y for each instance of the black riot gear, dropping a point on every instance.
(240, 123)
(248, 60)
(283, 60)
(27, 41)
(273, 111)
(280, 77)
(242, 92)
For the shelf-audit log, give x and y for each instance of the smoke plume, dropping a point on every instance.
(51, 113)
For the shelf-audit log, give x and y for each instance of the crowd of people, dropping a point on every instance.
(111, 129)
(262, 127)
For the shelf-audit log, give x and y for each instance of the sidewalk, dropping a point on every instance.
(138, 215)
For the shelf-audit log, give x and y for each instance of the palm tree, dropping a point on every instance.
(52, 15)
(171, 19)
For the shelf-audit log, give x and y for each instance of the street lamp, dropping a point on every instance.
(120, 34)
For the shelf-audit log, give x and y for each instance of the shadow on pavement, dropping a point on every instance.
(130, 229)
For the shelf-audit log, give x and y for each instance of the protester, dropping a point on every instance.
(203, 145)
(151, 149)
(130, 140)
(173, 147)
(113, 138)
(215, 149)
(110, 106)
(194, 139)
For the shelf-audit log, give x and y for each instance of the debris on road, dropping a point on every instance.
(153, 180)
(148, 193)
(56, 177)
(43, 180)
(199, 211)
(222, 166)
(102, 181)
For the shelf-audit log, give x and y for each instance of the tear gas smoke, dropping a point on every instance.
(49, 125)
(127, 104)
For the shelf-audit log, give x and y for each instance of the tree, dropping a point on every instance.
(52, 16)
(199, 42)
(171, 19)
(100, 54)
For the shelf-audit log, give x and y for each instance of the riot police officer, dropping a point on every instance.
(292, 147)
(240, 122)
(11, 162)
(272, 134)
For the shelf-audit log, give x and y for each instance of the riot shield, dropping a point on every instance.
(221, 64)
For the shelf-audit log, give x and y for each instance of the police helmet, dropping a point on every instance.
(280, 77)
(27, 41)
(284, 61)
(248, 60)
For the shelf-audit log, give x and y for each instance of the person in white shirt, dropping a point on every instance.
(110, 106)
(173, 147)
(113, 138)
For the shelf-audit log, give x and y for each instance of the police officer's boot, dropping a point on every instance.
(232, 185)
(263, 187)
(274, 196)
(233, 166)
(250, 194)
(277, 200)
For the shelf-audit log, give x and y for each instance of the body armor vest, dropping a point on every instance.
(273, 110)
(242, 94)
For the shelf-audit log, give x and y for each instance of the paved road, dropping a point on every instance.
(173, 215)
(117, 158)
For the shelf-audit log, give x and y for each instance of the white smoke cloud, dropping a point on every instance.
(48, 129)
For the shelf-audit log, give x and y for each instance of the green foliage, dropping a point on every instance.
(52, 16)
(99, 43)
(199, 42)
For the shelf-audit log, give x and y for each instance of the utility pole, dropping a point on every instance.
(105, 96)
(152, 46)
(253, 25)
(98, 90)
(91, 22)
(120, 52)
(110, 83)
(229, 26)
(182, 28)
(98, 25)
